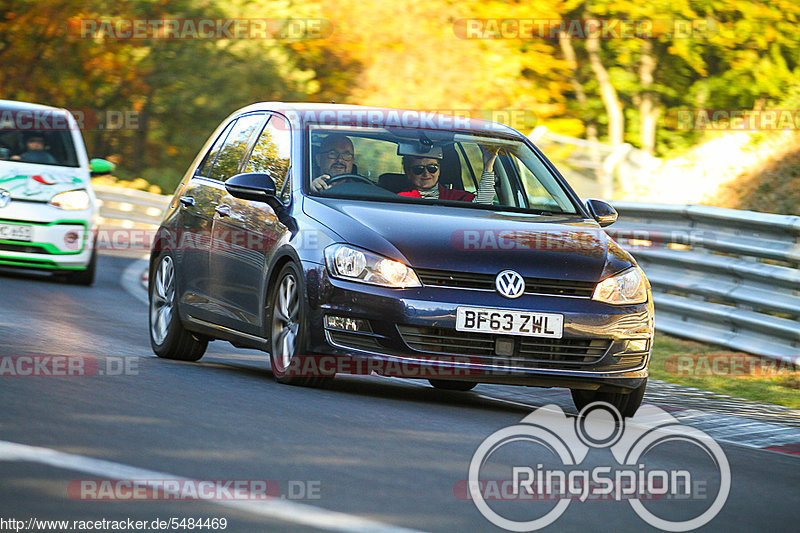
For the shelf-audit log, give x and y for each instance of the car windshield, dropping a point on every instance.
(432, 166)
(39, 147)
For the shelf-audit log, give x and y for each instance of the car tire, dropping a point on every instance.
(168, 338)
(626, 403)
(450, 384)
(287, 327)
(83, 277)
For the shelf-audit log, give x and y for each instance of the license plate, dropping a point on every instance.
(16, 232)
(509, 322)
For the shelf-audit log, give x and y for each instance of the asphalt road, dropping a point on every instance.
(365, 453)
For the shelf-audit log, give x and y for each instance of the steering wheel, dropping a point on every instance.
(340, 177)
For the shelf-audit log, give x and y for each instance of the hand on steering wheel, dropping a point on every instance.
(325, 181)
(336, 179)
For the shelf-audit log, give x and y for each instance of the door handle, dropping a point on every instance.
(223, 210)
(187, 201)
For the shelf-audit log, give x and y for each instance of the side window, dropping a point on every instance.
(271, 153)
(205, 167)
(540, 188)
(231, 153)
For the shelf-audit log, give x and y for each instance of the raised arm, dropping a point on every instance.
(485, 192)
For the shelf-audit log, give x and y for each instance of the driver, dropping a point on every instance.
(335, 157)
(36, 151)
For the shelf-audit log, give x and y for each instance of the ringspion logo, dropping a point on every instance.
(566, 477)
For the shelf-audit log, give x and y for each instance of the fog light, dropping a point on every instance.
(346, 323)
(70, 237)
(637, 345)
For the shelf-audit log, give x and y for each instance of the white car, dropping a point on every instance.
(47, 207)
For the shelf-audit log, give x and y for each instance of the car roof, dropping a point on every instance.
(301, 114)
(25, 106)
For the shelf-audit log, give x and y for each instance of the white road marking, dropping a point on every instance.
(286, 511)
(131, 280)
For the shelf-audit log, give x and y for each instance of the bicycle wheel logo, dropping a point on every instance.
(599, 426)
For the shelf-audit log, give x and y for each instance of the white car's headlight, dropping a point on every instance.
(348, 262)
(71, 200)
(628, 287)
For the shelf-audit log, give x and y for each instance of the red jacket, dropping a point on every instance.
(444, 194)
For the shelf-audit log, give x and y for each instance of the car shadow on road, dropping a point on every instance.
(398, 389)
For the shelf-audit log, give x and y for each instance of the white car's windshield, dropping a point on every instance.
(39, 147)
(377, 163)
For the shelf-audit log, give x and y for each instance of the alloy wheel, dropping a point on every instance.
(162, 301)
(285, 321)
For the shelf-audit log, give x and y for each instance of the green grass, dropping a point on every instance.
(725, 371)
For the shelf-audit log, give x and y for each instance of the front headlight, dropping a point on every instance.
(347, 262)
(71, 200)
(628, 287)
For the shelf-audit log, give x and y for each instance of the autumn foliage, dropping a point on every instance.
(615, 87)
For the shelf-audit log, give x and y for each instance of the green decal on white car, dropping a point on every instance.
(41, 186)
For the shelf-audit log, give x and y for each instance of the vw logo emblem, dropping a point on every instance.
(509, 284)
(5, 198)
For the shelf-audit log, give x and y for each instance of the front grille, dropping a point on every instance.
(527, 352)
(24, 248)
(468, 280)
(566, 351)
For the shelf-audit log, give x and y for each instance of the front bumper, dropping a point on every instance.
(59, 240)
(411, 333)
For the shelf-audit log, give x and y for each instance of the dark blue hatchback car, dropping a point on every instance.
(348, 239)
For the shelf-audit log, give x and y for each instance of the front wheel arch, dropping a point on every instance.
(300, 341)
(283, 256)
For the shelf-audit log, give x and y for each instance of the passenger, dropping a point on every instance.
(334, 158)
(336, 154)
(424, 172)
(36, 152)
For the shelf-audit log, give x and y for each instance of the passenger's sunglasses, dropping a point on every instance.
(333, 155)
(419, 169)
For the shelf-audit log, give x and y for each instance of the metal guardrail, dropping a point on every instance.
(719, 275)
(128, 207)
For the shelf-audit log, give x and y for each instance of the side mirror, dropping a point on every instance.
(99, 166)
(602, 212)
(254, 186)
